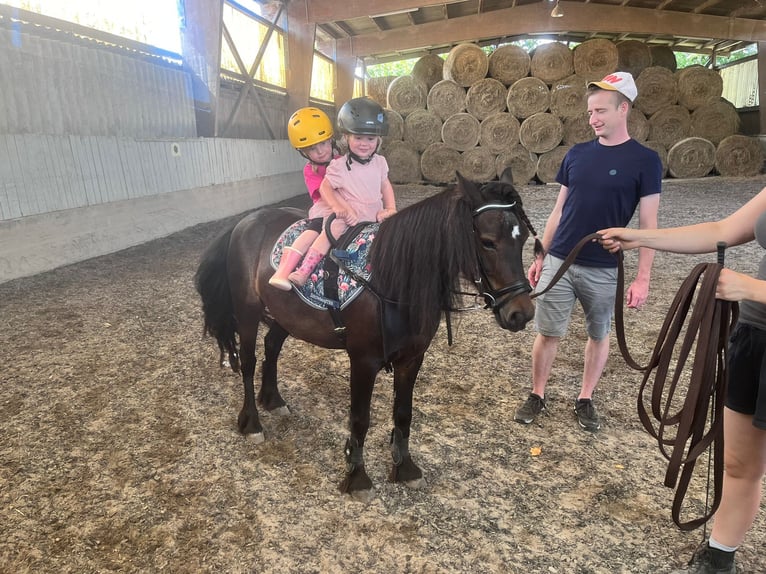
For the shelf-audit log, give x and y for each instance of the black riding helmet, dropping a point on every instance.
(362, 116)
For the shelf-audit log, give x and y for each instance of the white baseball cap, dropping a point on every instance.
(618, 82)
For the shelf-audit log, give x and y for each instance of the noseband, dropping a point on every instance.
(491, 296)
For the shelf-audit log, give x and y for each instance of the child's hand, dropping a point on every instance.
(350, 216)
(385, 214)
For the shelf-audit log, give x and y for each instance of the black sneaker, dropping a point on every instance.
(533, 406)
(586, 415)
(707, 560)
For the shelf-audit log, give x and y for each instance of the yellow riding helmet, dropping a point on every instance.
(308, 126)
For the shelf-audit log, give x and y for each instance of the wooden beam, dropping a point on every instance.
(762, 84)
(535, 18)
(321, 11)
(345, 65)
(301, 36)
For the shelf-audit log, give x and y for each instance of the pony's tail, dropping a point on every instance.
(212, 283)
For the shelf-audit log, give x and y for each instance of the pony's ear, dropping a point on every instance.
(507, 176)
(469, 189)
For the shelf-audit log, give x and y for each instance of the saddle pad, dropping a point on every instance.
(312, 293)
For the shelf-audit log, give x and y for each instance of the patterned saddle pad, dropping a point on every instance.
(313, 292)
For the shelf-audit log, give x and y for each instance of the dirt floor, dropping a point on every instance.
(120, 453)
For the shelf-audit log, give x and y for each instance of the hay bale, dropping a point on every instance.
(508, 64)
(461, 131)
(477, 164)
(595, 58)
(439, 162)
(403, 161)
(485, 97)
(739, 156)
(395, 125)
(698, 86)
(656, 89)
(428, 69)
(715, 121)
(578, 130)
(669, 125)
(528, 96)
(499, 132)
(465, 64)
(551, 62)
(377, 88)
(523, 164)
(422, 128)
(548, 164)
(568, 97)
(664, 56)
(406, 94)
(638, 125)
(633, 56)
(541, 132)
(662, 151)
(446, 99)
(691, 157)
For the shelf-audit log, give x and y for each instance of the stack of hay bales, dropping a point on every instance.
(480, 114)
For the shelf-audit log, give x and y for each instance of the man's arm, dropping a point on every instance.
(548, 233)
(638, 291)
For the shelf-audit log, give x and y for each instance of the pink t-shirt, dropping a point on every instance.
(314, 179)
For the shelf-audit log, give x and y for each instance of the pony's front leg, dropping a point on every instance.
(248, 421)
(404, 469)
(356, 482)
(269, 397)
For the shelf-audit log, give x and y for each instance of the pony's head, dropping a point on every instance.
(500, 229)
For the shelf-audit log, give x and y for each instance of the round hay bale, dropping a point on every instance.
(662, 151)
(395, 125)
(568, 97)
(406, 94)
(633, 56)
(428, 69)
(499, 132)
(638, 125)
(698, 86)
(664, 56)
(548, 164)
(528, 96)
(422, 128)
(551, 62)
(461, 131)
(691, 157)
(509, 63)
(403, 162)
(595, 58)
(466, 64)
(669, 125)
(477, 164)
(446, 99)
(739, 156)
(485, 97)
(656, 89)
(523, 164)
(541, 132)
(439, 162)
(577, 130)
(715, 121)
(377, 88)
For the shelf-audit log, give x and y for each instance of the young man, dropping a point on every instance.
(602, 183)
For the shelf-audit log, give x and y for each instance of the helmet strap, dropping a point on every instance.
(364, 161)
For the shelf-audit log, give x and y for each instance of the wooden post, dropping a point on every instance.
(300, 54)
(762, 85)
(345, 64)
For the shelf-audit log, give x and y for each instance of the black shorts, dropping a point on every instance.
(747, 373)
(315, 225)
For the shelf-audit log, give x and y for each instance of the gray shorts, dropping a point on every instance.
(594, 287)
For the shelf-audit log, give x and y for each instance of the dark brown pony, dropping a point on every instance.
(418, 258)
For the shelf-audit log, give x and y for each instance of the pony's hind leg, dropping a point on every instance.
(403, 468)
(248, 421)
(269, 397)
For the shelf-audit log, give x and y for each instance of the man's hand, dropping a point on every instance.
(533, 275)
(637, 294)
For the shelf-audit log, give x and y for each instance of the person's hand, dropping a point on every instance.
(350, 216)
(616, 238)
(733, 286)
(385, 214)
(637, 294)
(533, 275)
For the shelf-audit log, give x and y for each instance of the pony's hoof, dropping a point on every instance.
(364, 496)
(257, 437)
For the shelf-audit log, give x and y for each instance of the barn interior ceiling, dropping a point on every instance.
(397, 29)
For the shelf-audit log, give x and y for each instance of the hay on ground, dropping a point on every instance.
(422, 128)
(461, 131)
(499, 132)
(595, 58)
(528, 96)
(548, 164)
(466, 64)
(633, 56)
(691, 157)
(509, 64)
(406, 94)
(478, 164)
(656, 89)
(523, 164)
(638, 125)
(715, 121)
(403, 162)
(698, 86)
(568, 97)
(439, 162)
(551, 62)
(739, 156)
(664, 56)
(662, 151)
(446, 98)
(429, 69)
(485, 97)
(669, 125)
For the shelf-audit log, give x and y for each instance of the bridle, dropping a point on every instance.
(491, 296)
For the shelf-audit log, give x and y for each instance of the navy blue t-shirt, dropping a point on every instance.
(605, 185)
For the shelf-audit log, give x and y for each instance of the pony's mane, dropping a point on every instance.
(421, 253)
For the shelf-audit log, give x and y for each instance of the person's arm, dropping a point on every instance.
(638, 291)
(548, 233)
(735, 229)
(334, 200)
(389, 201)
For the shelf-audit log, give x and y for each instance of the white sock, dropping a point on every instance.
(713, 543)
